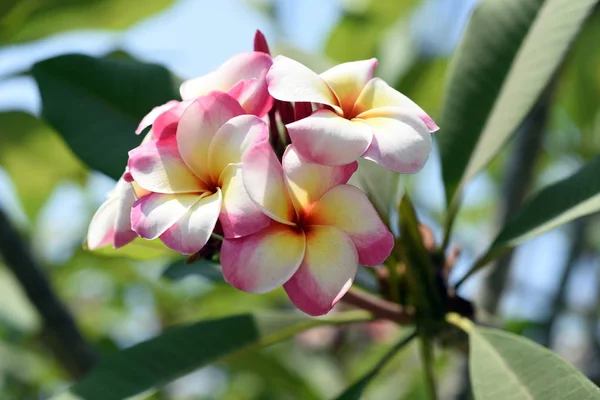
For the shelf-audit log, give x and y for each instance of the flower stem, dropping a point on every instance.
(381, 309)
(426, 347)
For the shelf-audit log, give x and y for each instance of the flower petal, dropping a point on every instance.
(326, 273)
(153, 114)
(377, 94)
(239, 215)
(157, 166)
(198, 126)
(347, 208)
(123, 232)
(347, 81)
(263, 179)
(247, 66)
(326, 138)
(401, 141)
(153, 214)
(307, 182)
(165, 125)
(191, 232)
(101, 231)
(263, 261)
(232, 140)
(289, 80)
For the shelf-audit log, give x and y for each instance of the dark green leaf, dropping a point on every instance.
(183, 349)
(96, 104)
(555, 205)
(505, 366)
(510, 51)
(35, 158)
(22, 21)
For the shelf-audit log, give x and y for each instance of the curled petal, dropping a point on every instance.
(165, 125)
(347, 208)
(263, 179)
(243, 67)
(123, 232)
(347, 80)
(239, 215)
(198, 126)
(232, 140)
(157, 166)
(377, 94)
(289, 80)
(401, 141)
(263, 261)
(151, 116)
(308, 182)
(101, 231)
(326, 138)
(326, 273)
(153, 214)
(191, 232)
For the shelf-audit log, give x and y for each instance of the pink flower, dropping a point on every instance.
(358, 116)
(111, 223)
(193, 175)
(243, 77)
(321, 229)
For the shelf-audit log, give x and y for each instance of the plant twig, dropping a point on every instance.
(381, 309)
(62, 335)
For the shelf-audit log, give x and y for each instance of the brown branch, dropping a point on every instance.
(60, 331)
(381, 309)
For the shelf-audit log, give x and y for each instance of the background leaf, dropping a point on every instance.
(509, 53)
(506, 366)
(96, 104)
(22, 21)
(35, 158)
(181, 350)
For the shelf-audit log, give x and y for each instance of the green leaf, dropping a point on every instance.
(36, 159)
(505, 366)
(138, 249)
(26, 20)
(510, 51)
(568, 199)
(183, 349)
(96, 104)
(355, 391)
(359, 32)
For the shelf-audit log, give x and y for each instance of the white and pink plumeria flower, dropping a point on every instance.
(209, 165)
(358, 115)
(193, 176)
(321, 229)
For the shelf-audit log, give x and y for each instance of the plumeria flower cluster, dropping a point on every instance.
(216, 162)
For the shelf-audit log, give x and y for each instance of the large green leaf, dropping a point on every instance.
(358, 34)
(510, 51)
(36, 158)
(22, 21)
(568, 199)
(96, 104)
(506, 366)
(183, 349)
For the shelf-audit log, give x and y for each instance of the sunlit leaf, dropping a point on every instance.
(21, 21)
(358, 33)
(505, 366)
(139, 249)
(510, 51)
(96, 104)
(183, 349)
(36, 158)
